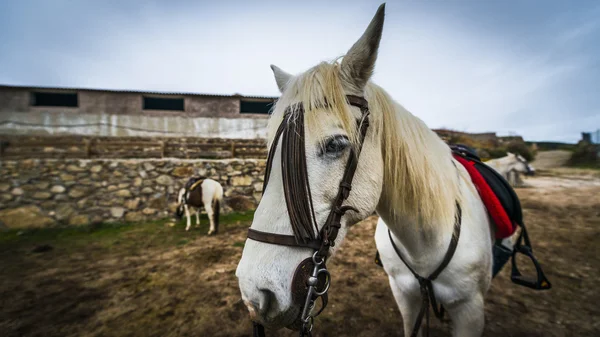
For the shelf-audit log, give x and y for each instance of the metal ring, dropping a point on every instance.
(314, 258)
(327, 282)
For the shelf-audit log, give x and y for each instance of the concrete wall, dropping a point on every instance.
(123, 125)
(113, 113)
(47, 193)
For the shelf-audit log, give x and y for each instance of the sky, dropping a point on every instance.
(530, 68)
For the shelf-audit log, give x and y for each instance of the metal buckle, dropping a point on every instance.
(314, 293)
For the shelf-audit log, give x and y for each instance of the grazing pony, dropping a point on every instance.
(198, 193)
(397, 166)
(511, 166)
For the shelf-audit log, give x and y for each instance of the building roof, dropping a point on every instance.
(22, 87)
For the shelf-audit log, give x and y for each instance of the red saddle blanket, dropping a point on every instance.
(505, 227)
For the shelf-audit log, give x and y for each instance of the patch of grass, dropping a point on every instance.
(239, 244)
(121, 235)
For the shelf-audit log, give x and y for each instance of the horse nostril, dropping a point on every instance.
(267, 298)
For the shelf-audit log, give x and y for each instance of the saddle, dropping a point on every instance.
(193, 182)
(499, 198)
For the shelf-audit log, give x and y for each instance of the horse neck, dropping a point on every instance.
(421, 244)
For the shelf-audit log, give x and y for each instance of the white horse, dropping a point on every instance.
(405, 172)
(207, 193)
(511, 166)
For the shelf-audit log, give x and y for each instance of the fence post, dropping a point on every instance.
(162, 148)
(87, 143)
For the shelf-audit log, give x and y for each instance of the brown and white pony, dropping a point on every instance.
(207, 193)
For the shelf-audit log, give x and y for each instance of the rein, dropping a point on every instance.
(311, 279)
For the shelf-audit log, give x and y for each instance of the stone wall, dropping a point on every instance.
(45, 193)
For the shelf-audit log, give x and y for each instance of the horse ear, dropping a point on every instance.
(281, 77)
(358, 64)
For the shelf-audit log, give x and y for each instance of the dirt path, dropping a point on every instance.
(551, 159)
(156, 280)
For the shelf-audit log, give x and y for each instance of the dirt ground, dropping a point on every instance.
(157, 280)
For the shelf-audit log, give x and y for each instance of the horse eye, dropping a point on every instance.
(336, 145)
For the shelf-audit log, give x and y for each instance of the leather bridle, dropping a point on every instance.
(311, 279)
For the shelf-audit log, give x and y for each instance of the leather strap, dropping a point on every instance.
(281, 239)
(426, 283)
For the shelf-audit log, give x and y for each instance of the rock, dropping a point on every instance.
(28, 164)
(112, 188)
(234, 173)
(143, 174)
(149, 211)
(183, 172)
(148, 166)
(132, 204)
(24, 217)
(63, 212)
(241, 181)
(42, 195)
(134, 217)
(164, 180)
(4, 197)
(42, 186)
(4, 187)
(58, 189)
(123, 193)
(147, 190)
(137, 181)
(240, 203)
(17, 191)
(86, 181)
(85, 203)
(158, 201)
(117, 212)
(123, 185)
(67, 177)
(79, 220)
(29, 188)
(96, 168)
(50, 204)
(96, 220)
(170, 224)
(77, 192)
(61, 197)
(258, 187)
(73, 168)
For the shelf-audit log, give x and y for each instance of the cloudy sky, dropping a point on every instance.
(515, 67)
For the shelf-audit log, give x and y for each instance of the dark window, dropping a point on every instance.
(54, 99)
(253, 107)
(156, 103)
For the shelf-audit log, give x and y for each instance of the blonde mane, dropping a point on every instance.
(417, 163)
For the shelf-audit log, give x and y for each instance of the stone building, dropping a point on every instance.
(53, 111)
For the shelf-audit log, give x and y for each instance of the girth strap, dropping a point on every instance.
(425, 283)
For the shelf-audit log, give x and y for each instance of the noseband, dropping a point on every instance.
(311, 279)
